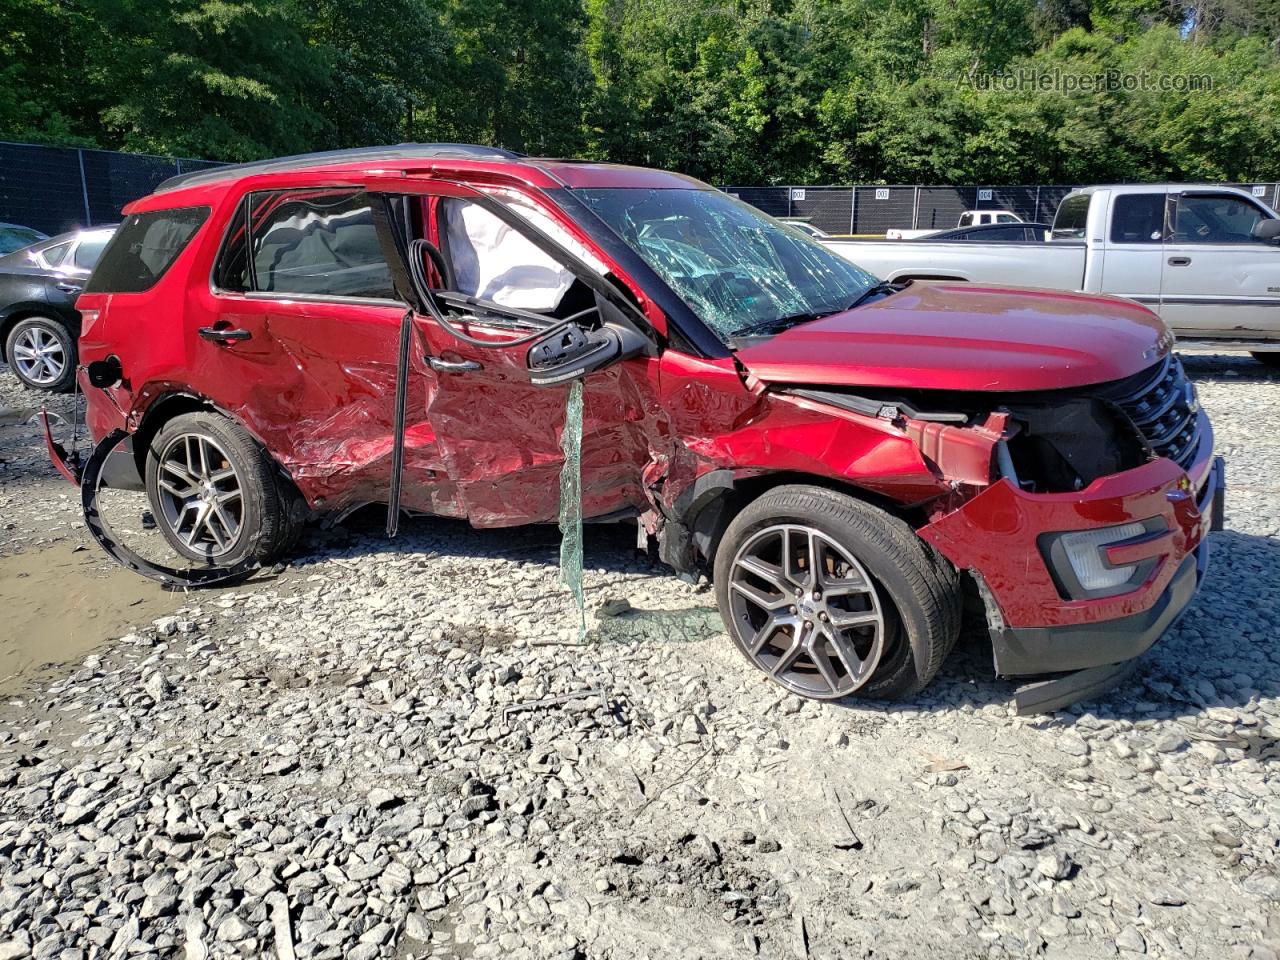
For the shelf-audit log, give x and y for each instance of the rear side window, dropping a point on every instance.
(143, 249)
(1072, 217)
(90, 251)
(316, 242)
(1138, 218)
(54, 255)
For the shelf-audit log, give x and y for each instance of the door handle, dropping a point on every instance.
(223, 335)
(451, 366)
(1179, 261)
(69, 287)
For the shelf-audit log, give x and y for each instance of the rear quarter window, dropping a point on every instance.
(1072, 217)
(144, 248)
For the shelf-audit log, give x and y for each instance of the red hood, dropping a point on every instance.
(948, 336)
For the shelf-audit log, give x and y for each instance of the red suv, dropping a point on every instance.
(845, 458)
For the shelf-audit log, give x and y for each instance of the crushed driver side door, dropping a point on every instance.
(509, 292)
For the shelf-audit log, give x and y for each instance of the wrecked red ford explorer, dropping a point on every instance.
(844, 458)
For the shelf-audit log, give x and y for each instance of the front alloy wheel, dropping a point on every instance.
(805, 611)
(830, 596)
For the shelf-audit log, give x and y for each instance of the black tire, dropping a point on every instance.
(919, 591)
(40, 373)
(1270, 359)
(270, 513)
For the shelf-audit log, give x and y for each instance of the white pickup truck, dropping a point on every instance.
(1204, 257)
(970, 218)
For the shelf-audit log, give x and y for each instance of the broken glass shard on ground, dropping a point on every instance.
(571, 504)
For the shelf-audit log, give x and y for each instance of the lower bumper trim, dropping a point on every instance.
(1024, 651)
(1048, 695)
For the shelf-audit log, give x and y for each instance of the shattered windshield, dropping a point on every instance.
(741, 271)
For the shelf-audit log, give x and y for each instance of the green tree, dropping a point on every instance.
(216, 78)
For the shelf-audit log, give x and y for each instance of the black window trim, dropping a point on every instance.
(243, 204)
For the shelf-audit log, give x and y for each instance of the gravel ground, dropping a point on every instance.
(399, 750)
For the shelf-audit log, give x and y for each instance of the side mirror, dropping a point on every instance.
(573, 350)
(1267, 231)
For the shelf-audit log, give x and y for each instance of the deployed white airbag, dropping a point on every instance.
(493, 261)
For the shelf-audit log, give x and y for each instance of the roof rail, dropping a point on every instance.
(401, 151)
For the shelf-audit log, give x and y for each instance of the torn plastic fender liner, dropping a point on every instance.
(66, 464)
(691, 521)
(90, 477)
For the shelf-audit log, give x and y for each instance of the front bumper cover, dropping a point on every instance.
(1099, 656)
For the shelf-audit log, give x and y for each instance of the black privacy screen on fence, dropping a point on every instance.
(870, 211)
(54, 189)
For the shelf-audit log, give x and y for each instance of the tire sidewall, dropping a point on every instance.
(57, 329)
(253, 497)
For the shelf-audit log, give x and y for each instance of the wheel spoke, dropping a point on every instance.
(197, 521)
(765, 634)
(845, 619)
(768, 572)
(815, 559)
(784, 662)
(212, 528)
(204, 458)
(823, 662)
(851, 582)
(758, 596)
(853, 664)
(229, 527)
(170, 489)
(23, 352)
(796, 575)
(179, 471)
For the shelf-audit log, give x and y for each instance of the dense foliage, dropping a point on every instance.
(742, 91)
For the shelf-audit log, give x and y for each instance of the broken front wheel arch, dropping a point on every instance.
(694, 524)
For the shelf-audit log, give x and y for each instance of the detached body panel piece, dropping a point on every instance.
(843, 457)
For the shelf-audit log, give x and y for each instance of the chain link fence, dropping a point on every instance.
(872, 210)
(55, 189)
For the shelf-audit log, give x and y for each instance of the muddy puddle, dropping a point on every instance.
(62, 602)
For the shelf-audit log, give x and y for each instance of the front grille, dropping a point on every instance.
(1161, 403)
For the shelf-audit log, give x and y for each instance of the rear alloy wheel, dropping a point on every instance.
(200, 496)
(217, 496)
(42, 353)
(830, 596)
